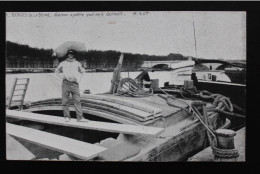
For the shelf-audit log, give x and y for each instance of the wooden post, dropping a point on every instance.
(116, 73)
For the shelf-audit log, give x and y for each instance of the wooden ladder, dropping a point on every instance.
(18, 82)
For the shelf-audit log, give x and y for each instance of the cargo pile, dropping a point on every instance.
(127, 109)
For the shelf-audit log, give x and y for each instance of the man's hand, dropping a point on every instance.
(59, 75)
(81, 76)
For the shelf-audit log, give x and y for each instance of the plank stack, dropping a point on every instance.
(127, 109)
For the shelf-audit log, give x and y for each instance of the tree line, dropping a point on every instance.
(105, 59)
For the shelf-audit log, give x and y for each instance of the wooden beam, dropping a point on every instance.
(119, 107)
(108, 115)
(116, 74)
(98, 113)
(93, 125)
(123, 101)
(16, 151)
(59, 143)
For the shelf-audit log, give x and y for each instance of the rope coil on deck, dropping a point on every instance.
(221, 104)
(129, 87)
(224, 153)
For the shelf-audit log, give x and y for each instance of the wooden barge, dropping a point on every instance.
(159, 132)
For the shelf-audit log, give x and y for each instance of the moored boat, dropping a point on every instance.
(183, 133)
(125, 124)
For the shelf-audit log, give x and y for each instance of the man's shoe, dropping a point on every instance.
(67, 119)
(82, 120)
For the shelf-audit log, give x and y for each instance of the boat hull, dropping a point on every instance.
(179, 145)
(183, 134)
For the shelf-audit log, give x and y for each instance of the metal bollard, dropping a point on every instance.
(225, 138)
(225, 141)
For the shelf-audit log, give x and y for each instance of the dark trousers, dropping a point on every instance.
(73, 88)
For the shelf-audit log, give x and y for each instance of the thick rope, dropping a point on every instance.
(225, 153)
(168, 100)
(194, 106)
(221, 104)
(190, 92)
(220, 153)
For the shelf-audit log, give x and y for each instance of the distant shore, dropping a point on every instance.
(51, 70)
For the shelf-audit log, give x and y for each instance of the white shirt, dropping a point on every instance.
(71, 70)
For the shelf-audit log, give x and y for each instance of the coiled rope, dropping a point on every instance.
(225, 153)
(129, 87)
(220, 103)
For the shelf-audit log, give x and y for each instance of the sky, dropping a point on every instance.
(218, 34)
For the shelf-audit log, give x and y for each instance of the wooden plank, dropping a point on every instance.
(111, 116)
(102, 108)
(112, 99)
(122, 111)
(94, 125)
(123, 101)
(16, 151)
(62, 144)
(121, 107)
(106, 115)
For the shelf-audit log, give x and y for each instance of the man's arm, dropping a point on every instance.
(81, 71)
(59, 72)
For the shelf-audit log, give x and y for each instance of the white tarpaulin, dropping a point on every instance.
(69, 45)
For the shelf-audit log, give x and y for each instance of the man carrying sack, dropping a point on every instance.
(71, 72)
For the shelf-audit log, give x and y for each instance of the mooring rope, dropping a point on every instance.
(196, 112)
(211, 134)
(191, 92)
(220, 153)
(221, 103)
(167, 98)
(175, 98)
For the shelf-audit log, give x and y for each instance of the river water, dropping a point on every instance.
(47, 85)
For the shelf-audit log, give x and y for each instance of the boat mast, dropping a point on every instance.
(194, 36)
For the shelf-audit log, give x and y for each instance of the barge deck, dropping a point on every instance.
(180, 134)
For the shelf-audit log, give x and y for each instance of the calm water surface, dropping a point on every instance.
(46, 85)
